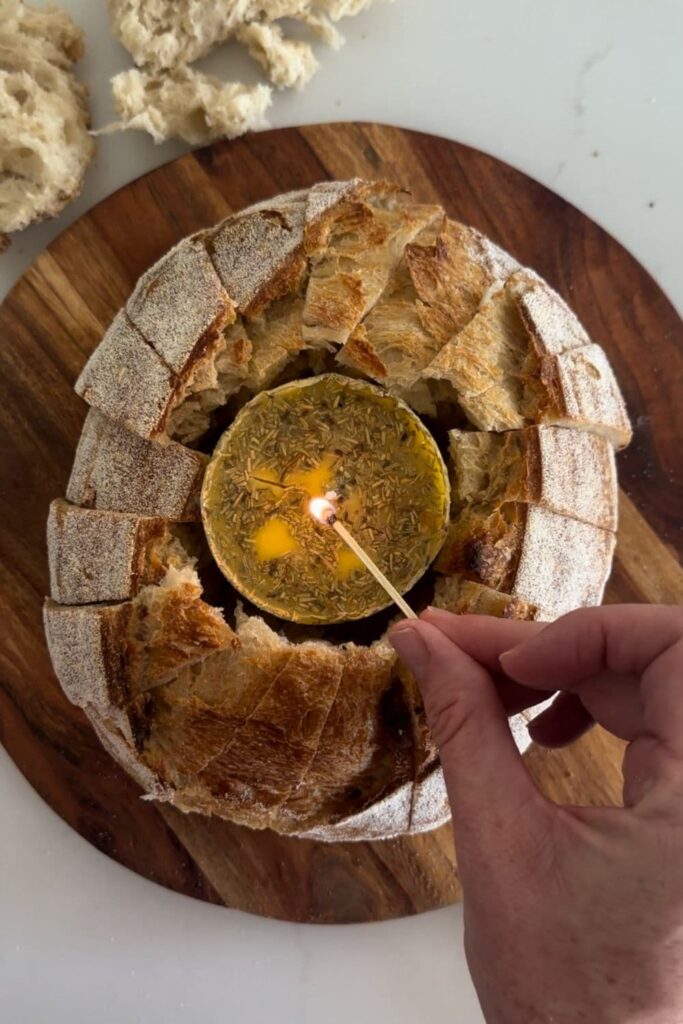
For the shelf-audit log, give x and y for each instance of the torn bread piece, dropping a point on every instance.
(434, 291)
(524, 358)
(117, 470)
(186, 104)
(289, 63)
(532, 553)
(45, 147)
(166, 33)
(96, 555)
(567, 471)
(352, 255)
(105, 655)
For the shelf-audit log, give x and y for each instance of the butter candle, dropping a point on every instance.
(296, 442)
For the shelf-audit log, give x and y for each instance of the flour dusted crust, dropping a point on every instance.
(97, 555)
(568, 471)
(117, 470)
(532, 553)
(220, 713)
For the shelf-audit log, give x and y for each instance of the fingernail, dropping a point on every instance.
(410, 647)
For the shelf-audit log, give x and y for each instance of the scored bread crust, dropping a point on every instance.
(391, 292)
(96, 555)
(567, 471)
(117, 470)
(531, 553)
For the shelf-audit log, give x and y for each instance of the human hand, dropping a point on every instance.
(571, 913)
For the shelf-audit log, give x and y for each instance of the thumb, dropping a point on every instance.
(488, 784)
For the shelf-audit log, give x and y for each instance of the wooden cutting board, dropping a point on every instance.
(55, 316)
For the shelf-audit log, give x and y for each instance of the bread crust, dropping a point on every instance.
(96, 555)
(117, 470)
(129, 648)
(532, 553)
(432, 292)
(564, 470)
(525, 358)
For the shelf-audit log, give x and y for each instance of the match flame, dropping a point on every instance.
(322, 510)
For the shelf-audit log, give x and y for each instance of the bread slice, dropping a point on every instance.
(532, 553)
(96, 555)
(186, 104)
(352, 257)
(172, 322)
(464, 597)
(434, 291)
(192, 719)
(116, 470)
(356, 760)
(564, 470)
(45, 146)
(281, 735)
(525, 358)
(106, 655)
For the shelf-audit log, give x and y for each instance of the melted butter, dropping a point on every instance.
(347, 563)
(273, 540)
(315, 481)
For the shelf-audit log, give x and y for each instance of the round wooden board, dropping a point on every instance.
(55, 316)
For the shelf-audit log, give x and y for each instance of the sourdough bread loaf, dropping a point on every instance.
(271, 725)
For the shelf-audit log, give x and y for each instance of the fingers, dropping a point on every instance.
(625, 661)
(481, 636)
(622, 639)
(485, 639)
(487, 782)
(562, 723)
(662, 692)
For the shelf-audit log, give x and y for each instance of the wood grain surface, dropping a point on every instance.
(55, 316)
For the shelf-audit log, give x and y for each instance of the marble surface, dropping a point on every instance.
(586, 97)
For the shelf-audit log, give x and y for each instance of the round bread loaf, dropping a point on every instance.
(318, 730)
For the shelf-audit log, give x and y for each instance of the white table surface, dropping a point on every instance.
(586, 96)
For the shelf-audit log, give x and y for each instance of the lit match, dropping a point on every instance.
(325, 512)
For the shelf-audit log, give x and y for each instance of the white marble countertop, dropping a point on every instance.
(584, 96)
